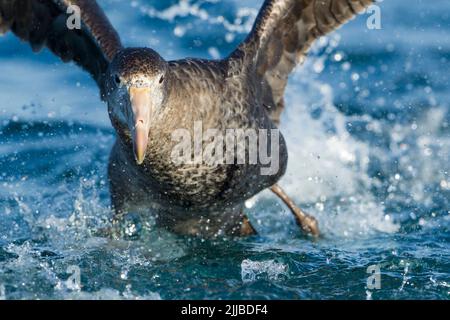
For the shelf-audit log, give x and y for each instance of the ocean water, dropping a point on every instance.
(367, 125)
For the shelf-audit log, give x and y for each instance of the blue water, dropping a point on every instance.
(367, 125)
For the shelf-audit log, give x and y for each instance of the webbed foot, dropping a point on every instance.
(307, 222)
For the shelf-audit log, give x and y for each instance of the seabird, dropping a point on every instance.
(149, 98)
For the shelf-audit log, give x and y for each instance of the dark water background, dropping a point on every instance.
(367, 123)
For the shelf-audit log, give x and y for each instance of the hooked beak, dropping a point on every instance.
(140, 104)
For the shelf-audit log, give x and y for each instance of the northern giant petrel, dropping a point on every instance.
(150, 98)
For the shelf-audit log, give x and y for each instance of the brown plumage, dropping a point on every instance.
(149, 99)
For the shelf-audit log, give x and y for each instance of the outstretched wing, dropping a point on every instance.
(281, 37)
(44, 23)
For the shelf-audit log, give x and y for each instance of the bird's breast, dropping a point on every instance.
(183, 173)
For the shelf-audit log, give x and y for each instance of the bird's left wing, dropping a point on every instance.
(281, 37)
(45, 23)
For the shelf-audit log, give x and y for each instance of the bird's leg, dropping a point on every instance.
(211, 226)
(247, 228)
(114, 229)
(305, 221)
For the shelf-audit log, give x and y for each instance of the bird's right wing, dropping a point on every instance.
(44, 23)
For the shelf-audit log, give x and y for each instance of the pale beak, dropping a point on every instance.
(140, 104)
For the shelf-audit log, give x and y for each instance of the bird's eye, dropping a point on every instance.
(117, 79)
(161, 80)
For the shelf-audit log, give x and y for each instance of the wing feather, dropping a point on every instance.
(43, 23)
(281, 37)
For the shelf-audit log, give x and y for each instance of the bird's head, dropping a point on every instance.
(136, 89)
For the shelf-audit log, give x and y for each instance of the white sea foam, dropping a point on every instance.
(271, 270)
(242, 22)
(110, 294)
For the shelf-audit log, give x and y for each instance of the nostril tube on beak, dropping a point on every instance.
(139, 122)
